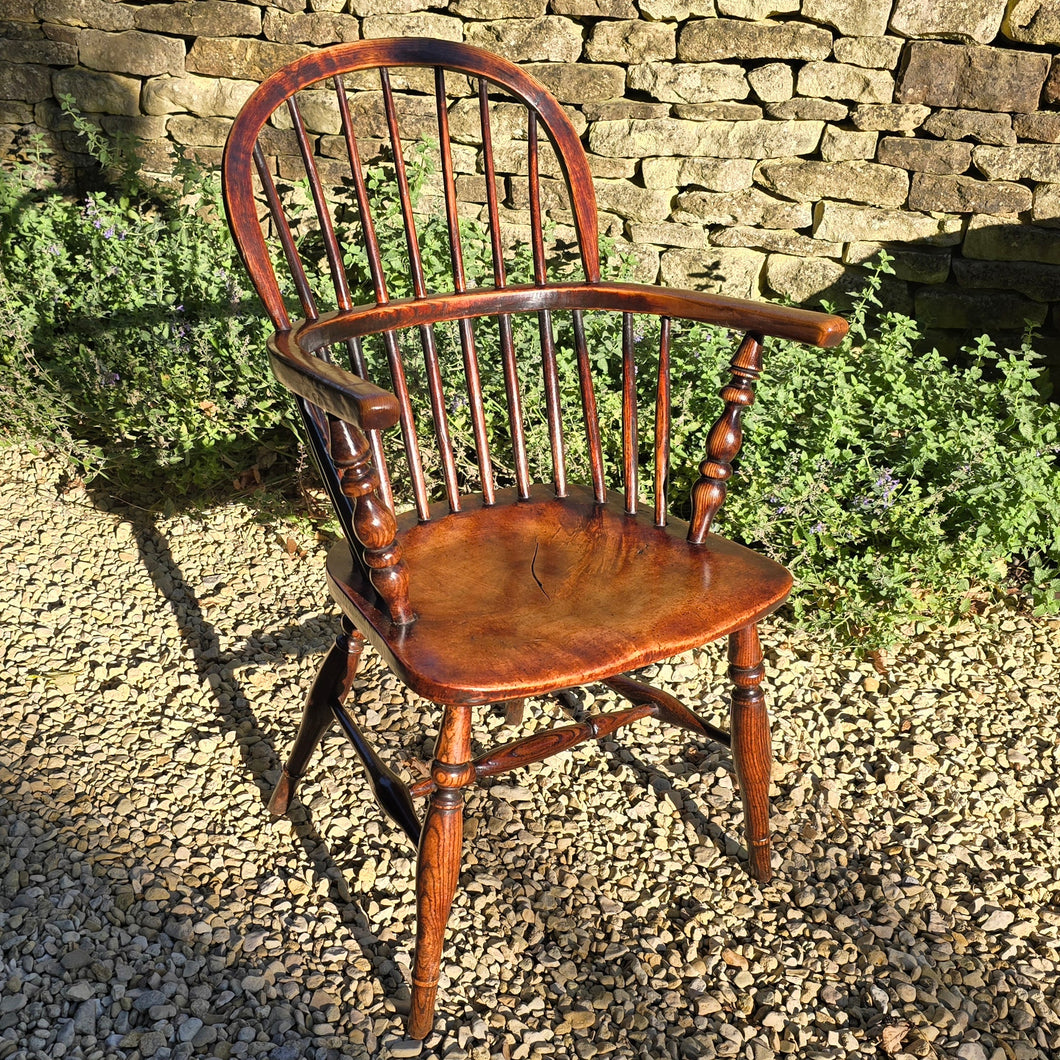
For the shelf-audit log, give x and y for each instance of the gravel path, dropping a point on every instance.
(153, 672)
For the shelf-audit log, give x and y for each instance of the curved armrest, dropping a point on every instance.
(330, 387)
(739, 314)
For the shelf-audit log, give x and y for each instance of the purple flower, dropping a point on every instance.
(109, 234)
(818, 528)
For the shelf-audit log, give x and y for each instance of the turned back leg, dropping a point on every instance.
(335, 678)
(751, 751)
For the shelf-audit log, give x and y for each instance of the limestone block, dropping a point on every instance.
(725, 111)
(203, 132)
(943, 307)
(1022, 162)
(633, 41)
(612, 168)
(53, 31)
(320, 113)
(1051, 91)
(864, 182)
(689, 82)
(756, 10)
(594, 8)
(239, 57)
(42, 52)
(577, 83)
(323, 6)
(95, 93)
(853, 18)
(415, 24)
(971, 125)
(716, 139)
(1033, 22)
(363, 8)
(645, 258)
(131, 52)
(970, 21)
(204, 18)
(889, 117)
(909, 263)
(876, 53)
(776, 241)
(811, 280)
(840, 222)
(710, 39)
(773, 82)
(204, 96)
(800, 109)
(532, 39)
(926, 156)
(979, 78)
(1040, 282)
(495, 9)
(18, 11)
(842, 81)
(140, 126)
(846, 145)
(633, 203)
(714, 174)
(94, 14)
(949, 194)
(28, 82)
(674, 10)
(996, 239)
(751, 207)
(623, 109)
(735, 273)
(319, 28)
(1043, 126)
(12, 113)
(1046, 208)
(669, 235)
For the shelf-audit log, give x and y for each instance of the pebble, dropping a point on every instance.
(153, 908)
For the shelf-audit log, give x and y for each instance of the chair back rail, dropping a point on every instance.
(373, 331)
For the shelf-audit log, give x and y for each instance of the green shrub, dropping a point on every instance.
(897, 485)
(131, 339)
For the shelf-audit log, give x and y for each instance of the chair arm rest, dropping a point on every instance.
(331, 387)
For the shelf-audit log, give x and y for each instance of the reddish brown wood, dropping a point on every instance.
(662, 423)
(751, 751)
(725, 438)
(438, 864)
(373, 522)
(334, 680)
(542, 745)
(553, 593)
(800, 325)
(666, 708)
(527, 591)
(630, 453)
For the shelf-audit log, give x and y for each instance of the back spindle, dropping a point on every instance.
(629, 415)
(725, 438)
(662, 423)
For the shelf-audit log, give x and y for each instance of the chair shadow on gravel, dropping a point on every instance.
(233, 711)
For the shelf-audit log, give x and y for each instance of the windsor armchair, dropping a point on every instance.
(494, 586)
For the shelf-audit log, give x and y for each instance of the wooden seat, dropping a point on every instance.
(555, 597)
(511, 574)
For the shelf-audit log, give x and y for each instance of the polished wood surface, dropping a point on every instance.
(499, 589)
(525, 598)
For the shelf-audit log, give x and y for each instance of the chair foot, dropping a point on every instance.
(751, 751)
(334, 678)
(438, 863)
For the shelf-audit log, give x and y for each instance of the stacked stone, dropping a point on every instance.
(748, 146)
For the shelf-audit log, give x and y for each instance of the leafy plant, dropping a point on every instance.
(130, 338)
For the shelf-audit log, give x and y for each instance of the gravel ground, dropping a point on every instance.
(153, 670)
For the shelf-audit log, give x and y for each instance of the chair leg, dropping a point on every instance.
(335, 678)
(438, 864)
(751, 752)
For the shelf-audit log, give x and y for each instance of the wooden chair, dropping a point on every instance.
(504, 588)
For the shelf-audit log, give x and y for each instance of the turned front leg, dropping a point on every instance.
(438, 864)
(751, 751)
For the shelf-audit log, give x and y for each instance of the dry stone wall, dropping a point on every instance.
(750, 146)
